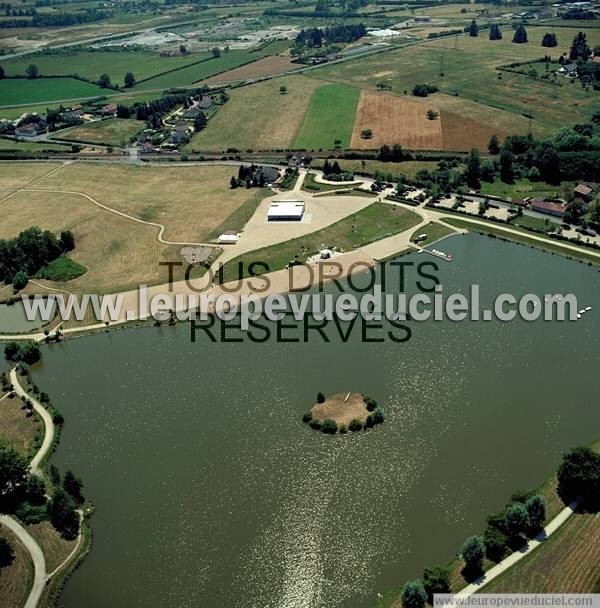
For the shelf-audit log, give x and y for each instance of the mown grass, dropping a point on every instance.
(15, 91)
(434, 232)
(522, 188)
(111, 132)
(330, 117)
(372, 223)
(370, 167)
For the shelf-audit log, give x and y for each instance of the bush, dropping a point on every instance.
(423, 90)
(307, 417)
(413, 595)
(329, 427)
(370, 402)
(320, 397)
(579, 478)
(315, 424)
(31, 514)
(355, 425)
(496, 544)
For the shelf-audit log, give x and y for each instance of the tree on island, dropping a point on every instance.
(413, 594)
(129, 80)
(355, 425)
(549, 40)
(435, 580)
(520, 36)
(579, 48)
(329, 426)
(495, 32)
(320, 397)
(473, 29)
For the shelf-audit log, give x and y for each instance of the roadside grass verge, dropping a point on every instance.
(371, 224)
(330, 117)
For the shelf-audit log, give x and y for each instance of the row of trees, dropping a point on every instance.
(506, 531)
(315, 36)
(57, 19)
(250, 176)
(25, 255)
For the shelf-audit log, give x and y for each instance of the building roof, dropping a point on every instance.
(583, 190)
(596, 59)
(291, 209)
(547, 206)
(270, 174)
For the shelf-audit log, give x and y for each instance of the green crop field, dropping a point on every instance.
(92, 64)
(474, 87)
(330, 117)
(24, 91)
(111, 132)
(195, 73)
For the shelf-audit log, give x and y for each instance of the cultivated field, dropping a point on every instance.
(24, 91)
(330, 117)
(470, 74)
(268, 66)
(110, 132)
(92, 64)
(17, 175)
(258, 116)
(395, 120)
(463, 134)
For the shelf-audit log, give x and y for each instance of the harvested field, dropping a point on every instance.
(462, 134)
(17, 175)
(569, 562)
(258, 116)
(111, 132)
(395, 120)
(268, 66)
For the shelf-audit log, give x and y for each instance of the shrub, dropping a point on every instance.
(355, 425)
(307, 417)
(579, 478)
(315, 424)
(329, 426)
(320, 397)
(496, 543)
(370, 402)
(423, 90)
(413, 595)
(31, 514)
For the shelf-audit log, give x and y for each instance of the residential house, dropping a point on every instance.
(584, 192)
(71, 116)
(180, 134)
(31, 129)
(569, 70)
(109, 109)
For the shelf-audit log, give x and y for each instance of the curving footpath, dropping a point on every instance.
(40, 576)
(526, 549)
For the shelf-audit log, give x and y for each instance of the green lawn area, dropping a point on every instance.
(330, 116)
(14, 91)
(91, 64)
(523, 188)
(527, 221)
(30, 146)
(370, 167)
(311, 185)
(434, 232)
(372, 223)
(195, 73)
(111, 132)
(62, 269)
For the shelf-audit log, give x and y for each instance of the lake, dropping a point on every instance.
(209, 489)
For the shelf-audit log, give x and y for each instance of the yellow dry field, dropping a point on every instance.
(118, 253)
(16, 579)
(190, 201)
(395, 120)
(258, 116)
(17, 429)
(56, 549)
(267, 66)
(404, 121)
(17, 175)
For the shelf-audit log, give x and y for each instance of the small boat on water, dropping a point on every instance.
(587, 308)
(448, 257)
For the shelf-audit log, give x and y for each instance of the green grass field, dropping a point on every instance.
(372, 223)
(111, 132)
(30, 146)
(408, 168)
(92, 64)
(522, 188)
(330, 117)
(24, 91)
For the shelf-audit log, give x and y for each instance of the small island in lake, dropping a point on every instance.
(343, 412)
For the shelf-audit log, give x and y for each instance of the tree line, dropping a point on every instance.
(57, 19)
(314, 36)
(25, 255)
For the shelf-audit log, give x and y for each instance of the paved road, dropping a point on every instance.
(513, 558)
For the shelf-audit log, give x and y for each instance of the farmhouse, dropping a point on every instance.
(569, 70)
(548, 207)
(285, 211)
(583, 191)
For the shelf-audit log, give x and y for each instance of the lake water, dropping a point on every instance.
(13, 319)
(209, 490)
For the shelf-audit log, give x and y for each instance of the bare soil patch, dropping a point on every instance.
(395, 120)
(463, 134)
(340, 411)
(267, 66)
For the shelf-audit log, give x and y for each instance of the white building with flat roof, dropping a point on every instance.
(285, 211)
